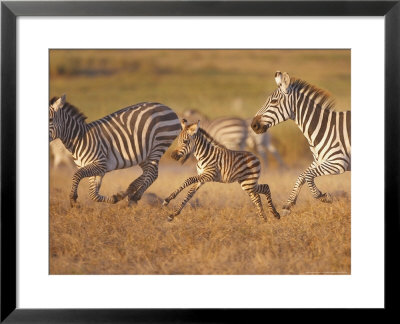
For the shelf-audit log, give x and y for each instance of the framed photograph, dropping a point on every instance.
(105, 225)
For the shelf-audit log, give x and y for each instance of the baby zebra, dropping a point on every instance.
(216, 163)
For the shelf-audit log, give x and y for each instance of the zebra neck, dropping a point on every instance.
(309, 116)
(73, 136)
(203, 147)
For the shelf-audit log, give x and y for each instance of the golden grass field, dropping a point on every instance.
(221, 232)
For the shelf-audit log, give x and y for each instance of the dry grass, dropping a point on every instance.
(222, 235)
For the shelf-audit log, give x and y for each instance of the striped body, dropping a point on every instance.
(327, 131)
(136, 135)
(236, 134)
(216, 163)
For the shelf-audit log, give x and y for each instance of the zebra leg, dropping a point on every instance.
(94, 188)
(255, 198)
(301, 180)
(250, 187)
(323, 169)
(189, 196)
(133, 190)
(90, 170)
(150, 174)
(187, 182)
(133, 187)
(264, 189)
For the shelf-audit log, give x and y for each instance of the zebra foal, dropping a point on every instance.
(216, 163)
(327, 131)
(136, 135)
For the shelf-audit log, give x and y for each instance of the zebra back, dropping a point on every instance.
(127, 137)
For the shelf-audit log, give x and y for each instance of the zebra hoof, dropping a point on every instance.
(132, 202)
(133, 199)
(118, 197)
(326, 198)
(285, 212)
(170, 218)
(277, 216)
(73, 202)
(165, 202)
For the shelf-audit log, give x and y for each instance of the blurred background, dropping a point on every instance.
(215, 82)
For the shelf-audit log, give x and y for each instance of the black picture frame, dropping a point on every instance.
(10, 10)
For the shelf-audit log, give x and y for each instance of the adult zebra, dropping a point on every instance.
(327, 131)
(216, 163)
(235, 134)
(136, 135)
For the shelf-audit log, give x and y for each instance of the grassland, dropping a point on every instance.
(221, 233)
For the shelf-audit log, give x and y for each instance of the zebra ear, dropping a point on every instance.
(183, 123)
(285, 81)
(278, 78)
(60, 103)
(282, 80)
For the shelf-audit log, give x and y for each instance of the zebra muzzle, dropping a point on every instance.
(257, 127)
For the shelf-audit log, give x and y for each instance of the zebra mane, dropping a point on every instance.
(210, 138)
(71, 110)
(324, 99)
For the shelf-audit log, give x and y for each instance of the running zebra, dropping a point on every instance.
(216, 163)
(327, 131)
(136, 135)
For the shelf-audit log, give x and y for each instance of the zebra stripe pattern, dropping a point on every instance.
(216, 163)
(136, 135)
(327, 131)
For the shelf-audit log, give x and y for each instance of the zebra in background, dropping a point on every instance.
(262, 143)
(231, 132)
(236, 134)
(136, 135)
(216, 163)
(327, 131)
(61, 156)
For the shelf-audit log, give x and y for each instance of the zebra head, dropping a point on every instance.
(186, 143)
(277, 107)
(54, 117)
